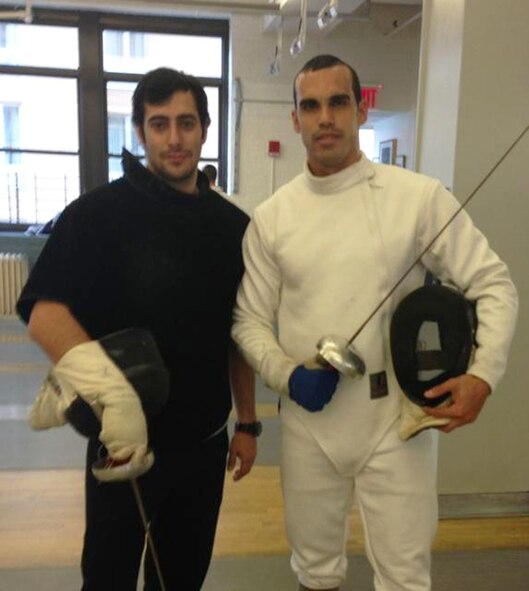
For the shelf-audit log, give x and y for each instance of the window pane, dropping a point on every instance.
(367, 142)
(121, 132)
(137, 44)
(47, 112)
(10, 123)
(210, 150)
(114, 42)
(200, 56)
(37, 188)
(115, 169)
(116, 133)
(39, 45)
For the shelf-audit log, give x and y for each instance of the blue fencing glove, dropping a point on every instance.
(312, 388)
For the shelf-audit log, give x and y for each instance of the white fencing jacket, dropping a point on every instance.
(322, 252)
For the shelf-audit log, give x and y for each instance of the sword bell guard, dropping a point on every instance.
(342, 355)
(109, 470)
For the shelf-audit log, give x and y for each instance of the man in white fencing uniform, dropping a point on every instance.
(319, 255)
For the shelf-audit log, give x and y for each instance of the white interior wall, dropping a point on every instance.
(474, 105)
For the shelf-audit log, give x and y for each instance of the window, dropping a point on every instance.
(40, 46)
(114, 42)
(367, 142)
(64, 121)
(121, 134)
(201, 56)
(137, 44)
(116, 133)
(123, 44)
(42, 175)
(11, 132)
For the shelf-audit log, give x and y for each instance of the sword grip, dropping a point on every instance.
(317, 362)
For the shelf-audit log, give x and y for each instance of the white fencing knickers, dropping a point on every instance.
(396, 494)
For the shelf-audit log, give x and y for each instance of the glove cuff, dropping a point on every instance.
(413, 419)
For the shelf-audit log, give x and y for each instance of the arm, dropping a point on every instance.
(464, 257)
(53, 327)
(255, 316)
(243, 445)
(82, 368)
(256, 308)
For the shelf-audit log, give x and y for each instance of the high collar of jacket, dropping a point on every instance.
(342, 180)
(143, 179)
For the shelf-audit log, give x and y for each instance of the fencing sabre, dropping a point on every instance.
(339, 352)
(109, 470)
(147, 528)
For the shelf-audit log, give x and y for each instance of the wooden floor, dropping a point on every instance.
(41, 521)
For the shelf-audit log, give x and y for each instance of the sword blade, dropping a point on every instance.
(427, 247)
(147, 528)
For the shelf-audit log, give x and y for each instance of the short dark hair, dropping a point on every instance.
(159, 85)
(322, 62)
(211, 172)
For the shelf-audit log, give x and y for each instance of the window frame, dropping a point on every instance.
(92, 81)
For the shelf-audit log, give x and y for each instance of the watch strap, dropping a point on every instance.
(255, 428)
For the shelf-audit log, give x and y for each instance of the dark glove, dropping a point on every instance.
(312, 388)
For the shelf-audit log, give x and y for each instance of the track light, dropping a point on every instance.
(275, 65)
(299, 42)
(298, 45)
(328, 14)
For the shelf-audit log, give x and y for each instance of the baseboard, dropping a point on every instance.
(464, 506)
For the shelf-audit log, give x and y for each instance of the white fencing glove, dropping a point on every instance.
(413, 419)
(87, 371)
(48, 408)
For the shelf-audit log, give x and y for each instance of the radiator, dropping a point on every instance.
(14, 270)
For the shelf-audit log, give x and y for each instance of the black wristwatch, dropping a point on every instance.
(255, 429)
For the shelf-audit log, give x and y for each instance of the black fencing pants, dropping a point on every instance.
(182, 494)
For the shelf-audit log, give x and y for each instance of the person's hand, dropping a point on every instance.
(243, 447)
(312, 388)
(88, 372)
(469, 394)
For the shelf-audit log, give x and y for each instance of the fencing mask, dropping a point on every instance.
(432, 339)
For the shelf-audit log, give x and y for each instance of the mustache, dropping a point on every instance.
(323, 132)
(176, 151)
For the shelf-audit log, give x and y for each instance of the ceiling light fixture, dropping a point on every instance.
(275, 66)
(299, 42)
(328, 14)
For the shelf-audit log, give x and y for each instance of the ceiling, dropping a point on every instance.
(285, 13)
(270, 7)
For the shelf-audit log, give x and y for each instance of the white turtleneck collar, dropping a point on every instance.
(339, 181)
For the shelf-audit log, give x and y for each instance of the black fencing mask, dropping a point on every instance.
(432, 339)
